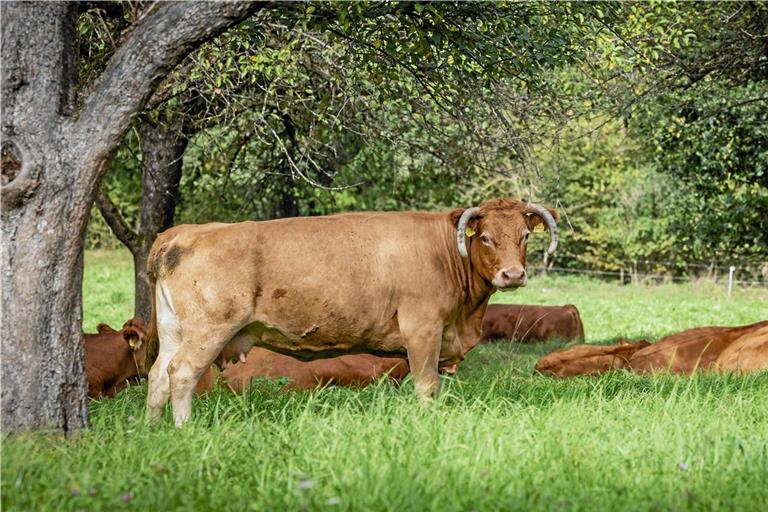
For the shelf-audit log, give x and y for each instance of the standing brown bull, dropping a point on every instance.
(397, 284)
(355, 370)
(113, 358)
(517, 322)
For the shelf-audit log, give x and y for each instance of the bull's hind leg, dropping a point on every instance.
(169, 334)
(200, 348)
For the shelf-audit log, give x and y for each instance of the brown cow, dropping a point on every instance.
(356, 370)
(588, 359)
(112, 358)
(396, 284)
(517, 322)
(748, 353)
(689, 350)
(683, 352)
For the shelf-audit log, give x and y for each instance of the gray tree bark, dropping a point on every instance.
(53, 156)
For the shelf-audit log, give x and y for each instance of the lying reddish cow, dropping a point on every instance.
(742, 348)
(357, 370)
(516, 322)
(588, 359)
(689, 350)
(112, 358)
(748, 353)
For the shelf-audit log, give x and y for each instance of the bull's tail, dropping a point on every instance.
(577, 321)
(153, 339)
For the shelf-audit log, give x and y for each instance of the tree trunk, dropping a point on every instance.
(162, 147)
(43, 383)
(52, 161)
(287, 204)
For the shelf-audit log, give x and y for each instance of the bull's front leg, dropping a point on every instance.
(423, 342)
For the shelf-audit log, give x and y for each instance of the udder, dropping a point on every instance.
(236, 349)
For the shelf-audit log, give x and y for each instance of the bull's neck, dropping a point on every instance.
(478, 290)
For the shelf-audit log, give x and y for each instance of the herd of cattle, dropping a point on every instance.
(375, 288)
(115, 359)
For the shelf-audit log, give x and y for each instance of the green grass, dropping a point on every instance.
(499, 438)
(107, 289)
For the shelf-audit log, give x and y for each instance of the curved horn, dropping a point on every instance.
(461, 229)
(550, 220)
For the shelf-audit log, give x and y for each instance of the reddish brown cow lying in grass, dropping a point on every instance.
(517, 322)
(112, 358)
(356, 370)
(588, 359)
(749, 353)
(683, 352)
(689, 350)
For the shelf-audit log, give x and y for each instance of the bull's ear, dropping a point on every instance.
(104, 329)
(455, 215)
(536, 223)
(135, 323)
(472, 225)
(132, 338)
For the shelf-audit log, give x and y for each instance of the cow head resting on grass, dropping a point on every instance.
(397, 284)
(588, 359)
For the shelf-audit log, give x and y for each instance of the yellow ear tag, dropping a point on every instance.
(539, 228)
(132, 343)
(469, 232)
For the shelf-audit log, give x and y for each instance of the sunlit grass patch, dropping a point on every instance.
(499, 438)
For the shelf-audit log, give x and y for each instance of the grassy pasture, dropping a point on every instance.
(499, 438)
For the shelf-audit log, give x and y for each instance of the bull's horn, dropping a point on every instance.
(550, 220)
(461, 236)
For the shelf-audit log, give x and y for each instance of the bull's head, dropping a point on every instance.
(498, 232)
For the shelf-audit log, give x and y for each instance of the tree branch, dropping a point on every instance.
(115, 220)
(157, 42)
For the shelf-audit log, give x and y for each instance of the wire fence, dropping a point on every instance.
(659, 272)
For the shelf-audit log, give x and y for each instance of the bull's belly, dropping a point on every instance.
(312, 343)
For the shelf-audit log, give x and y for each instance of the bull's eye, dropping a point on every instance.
(524, 241)
(486, 239)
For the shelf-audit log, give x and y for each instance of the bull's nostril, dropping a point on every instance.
(513, 275)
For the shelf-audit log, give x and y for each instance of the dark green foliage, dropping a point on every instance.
(707, 129)
(644, 123)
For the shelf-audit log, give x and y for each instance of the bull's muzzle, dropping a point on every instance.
(513, 277)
